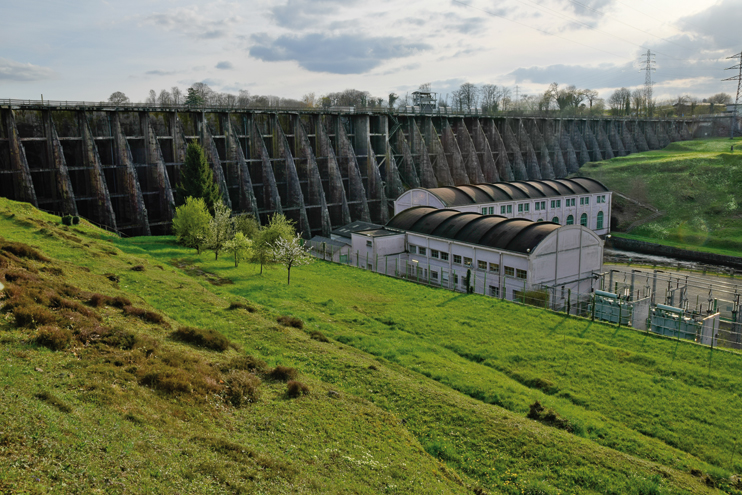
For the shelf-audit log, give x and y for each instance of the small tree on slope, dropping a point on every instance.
(290, 253)
(221, 229)
(279, 227)
(191, 223)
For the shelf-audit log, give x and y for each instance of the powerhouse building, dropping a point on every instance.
(506, 256)
(581, 200)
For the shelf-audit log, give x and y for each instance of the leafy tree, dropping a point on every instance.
(197, 179)
(248, 225)
(239, 246)
(194, 99)
(279, 227)
(392, 98)
(191, 223)
(221, 229)
(290, 253)
(118, 97)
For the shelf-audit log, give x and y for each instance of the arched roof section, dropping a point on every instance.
(512, 234)
(452, 196)
(514, 191)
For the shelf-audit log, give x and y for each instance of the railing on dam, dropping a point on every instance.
(405, 110)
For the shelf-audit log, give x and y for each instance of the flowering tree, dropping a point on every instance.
(289, 253)
(239, 245)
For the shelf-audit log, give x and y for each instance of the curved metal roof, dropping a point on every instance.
(516, 190)
(495, 231)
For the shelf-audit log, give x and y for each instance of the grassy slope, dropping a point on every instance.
(640, 405)
(696, 182)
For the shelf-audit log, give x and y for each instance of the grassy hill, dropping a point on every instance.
(696, 183)
(411, 389)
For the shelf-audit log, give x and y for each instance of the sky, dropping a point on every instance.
(87, 49)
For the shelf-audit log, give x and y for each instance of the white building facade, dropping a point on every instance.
(502, 257)
(577, 201)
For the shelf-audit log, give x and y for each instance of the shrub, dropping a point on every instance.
(318, 336)
(112, 277)
(138, 268)
(121, 339)
(32, 316)
(247, 363)
(67, 220)
(19, 276)
(75, 220)
(54, 338)
(143, 314)
(98, 300)
(243, 388)
(53, 401)
(24, 251)
(283, 373)
(239, 305)
(168, 380)
(296, 389)
(291, 321)
(207, 338)
(56, 301)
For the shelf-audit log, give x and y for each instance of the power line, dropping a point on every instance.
(737, 78)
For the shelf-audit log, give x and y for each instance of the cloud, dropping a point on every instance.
(10, 70)
(720, 23)
(193, 23)
(224, 65)
(341, 54)
(593, 9)
(303, 14)
(160, 72)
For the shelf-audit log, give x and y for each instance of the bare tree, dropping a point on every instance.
(639, 101)
(243, 98)
(720, 98)
(164, 98)
(118, 97)
(309, 100)
(620, 101)
(491, 95)
(177, 95)
(152, 98)
(290, 253)
(466, 97)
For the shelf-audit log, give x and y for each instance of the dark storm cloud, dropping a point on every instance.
(720, 23)
(341, 54)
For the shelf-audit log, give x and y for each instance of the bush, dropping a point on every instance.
(296, 389)
(148, 316)
(138, 268)
(54, 338)
(98, 300)
(283, 373)
(243, 388)
(247, 363)
(75, 220)
(318, 336)
(239, 305)
(207, 338)
(24, 251)
(32, 316)
(291, 321)
(121, 339)
(168, 380)
(67, 220)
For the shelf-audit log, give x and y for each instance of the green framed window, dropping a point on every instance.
(583, 220)
(570, 220)
(600, 221)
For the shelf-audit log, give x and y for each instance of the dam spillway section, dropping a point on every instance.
(118, 166)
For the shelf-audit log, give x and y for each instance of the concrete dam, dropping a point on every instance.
(118, 165)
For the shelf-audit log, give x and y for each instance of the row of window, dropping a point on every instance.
(541, 205)
(466, 261)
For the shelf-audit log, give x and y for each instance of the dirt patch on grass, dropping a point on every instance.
(194, 271)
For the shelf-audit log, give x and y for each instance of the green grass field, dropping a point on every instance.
(697, 184)
(418, 390)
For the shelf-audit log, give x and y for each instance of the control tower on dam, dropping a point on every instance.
(118, 165)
